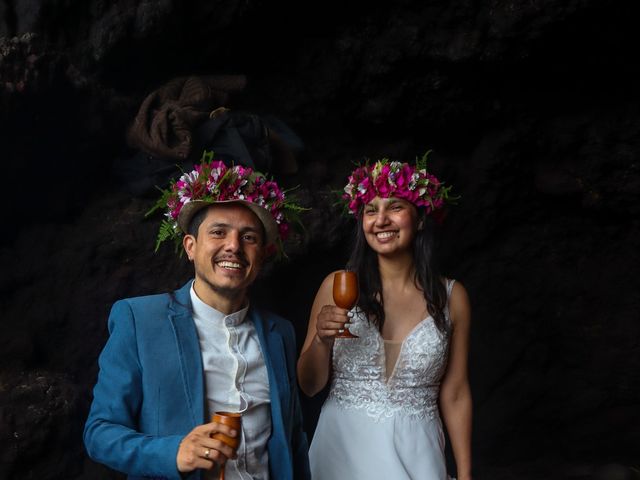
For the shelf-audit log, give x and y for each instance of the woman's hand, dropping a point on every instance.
(331, 321)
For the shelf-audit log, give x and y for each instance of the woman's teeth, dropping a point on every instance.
(383, 235)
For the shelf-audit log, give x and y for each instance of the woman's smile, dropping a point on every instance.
(386, 235)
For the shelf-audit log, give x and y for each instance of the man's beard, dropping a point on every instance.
(227, 292)
(230, 293)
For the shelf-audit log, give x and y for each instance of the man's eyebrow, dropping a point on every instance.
(218, 224)
(247, 228)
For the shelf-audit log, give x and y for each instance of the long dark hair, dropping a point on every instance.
(364, 261)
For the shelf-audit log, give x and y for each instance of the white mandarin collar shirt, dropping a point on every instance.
(236, 380)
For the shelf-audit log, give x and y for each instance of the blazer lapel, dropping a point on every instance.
(274, 359)
(189, 353)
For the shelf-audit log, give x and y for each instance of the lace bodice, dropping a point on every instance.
(360, 380)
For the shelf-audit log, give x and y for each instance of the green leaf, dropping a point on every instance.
(421, 163)
(165, 232)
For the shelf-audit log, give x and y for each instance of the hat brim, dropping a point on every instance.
(269, 223)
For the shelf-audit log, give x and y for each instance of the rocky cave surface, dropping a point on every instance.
(528, 108)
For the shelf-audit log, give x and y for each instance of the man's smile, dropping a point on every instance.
(233, 263)
(229, 264)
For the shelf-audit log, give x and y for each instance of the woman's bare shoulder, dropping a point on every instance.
(459, 305)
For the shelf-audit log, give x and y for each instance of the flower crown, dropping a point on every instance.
(213, 181)
(387, 178)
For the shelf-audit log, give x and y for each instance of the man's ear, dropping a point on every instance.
(189, 244)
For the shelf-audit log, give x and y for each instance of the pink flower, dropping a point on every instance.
(382, 187)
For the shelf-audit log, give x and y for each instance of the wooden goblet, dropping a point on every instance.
(233, 420)
(345, 295)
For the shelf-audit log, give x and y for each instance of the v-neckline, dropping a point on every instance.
(413, 329)
(402, 343)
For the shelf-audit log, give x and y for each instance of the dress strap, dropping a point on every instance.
(450, 282)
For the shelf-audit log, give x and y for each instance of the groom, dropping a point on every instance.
(174, 359)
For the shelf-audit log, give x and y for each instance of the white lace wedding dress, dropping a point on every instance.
(378, 426)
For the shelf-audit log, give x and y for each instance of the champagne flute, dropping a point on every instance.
(233, 420)
(345, 295)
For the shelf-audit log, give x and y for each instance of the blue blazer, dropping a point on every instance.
(150, 391)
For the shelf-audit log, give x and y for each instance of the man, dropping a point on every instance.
(172, 360)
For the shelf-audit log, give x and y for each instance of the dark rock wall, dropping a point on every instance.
(529, 108)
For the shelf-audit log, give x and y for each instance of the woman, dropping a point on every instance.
(381, 419)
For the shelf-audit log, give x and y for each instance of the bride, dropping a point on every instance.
(408, 366)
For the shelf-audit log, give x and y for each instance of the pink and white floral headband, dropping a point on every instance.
(387, 179)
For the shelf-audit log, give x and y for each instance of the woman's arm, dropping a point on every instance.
(455, 394)
(324, 322)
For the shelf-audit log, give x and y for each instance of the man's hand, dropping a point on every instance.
(199, 450)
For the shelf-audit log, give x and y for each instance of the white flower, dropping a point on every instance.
(414, 181)
(215, 173)
(211, 186)
(190, 177)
